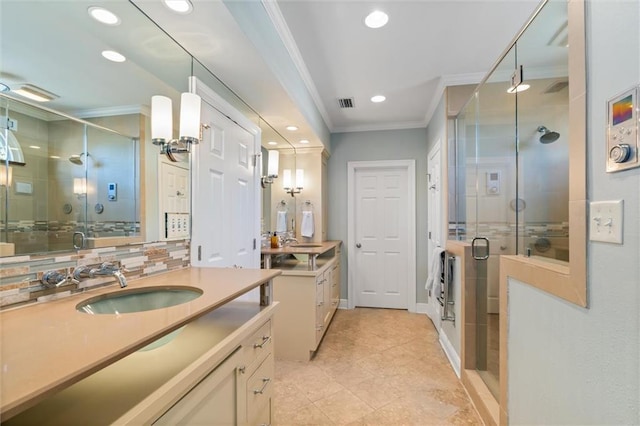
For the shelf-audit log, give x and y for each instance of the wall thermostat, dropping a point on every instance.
(493, 182)
(112, 191)
(622, 131)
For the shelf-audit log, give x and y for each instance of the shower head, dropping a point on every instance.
(547, 135)
(77, 158)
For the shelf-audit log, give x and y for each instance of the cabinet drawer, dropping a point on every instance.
(258, 345)
(260, 387)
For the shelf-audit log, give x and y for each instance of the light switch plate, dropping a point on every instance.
(606, 221)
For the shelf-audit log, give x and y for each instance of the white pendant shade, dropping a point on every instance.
(79, 186)
(161, 118)
(6, 174)
(190, 116)
(299, 178)
(273, 163)
(286, 179)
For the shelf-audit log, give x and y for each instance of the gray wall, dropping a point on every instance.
(370, 146)
(569, 365)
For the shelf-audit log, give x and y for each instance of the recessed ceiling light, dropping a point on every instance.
(376, 19)
(272, 143)
(35, 93)
(101, 14)
(180, 6)
(55, 157)
(304, 141)
(378, 98)
(34, 147)
(113, 56)
(519, 88)
(292, 128)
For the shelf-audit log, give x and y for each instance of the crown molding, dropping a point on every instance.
(279, 23)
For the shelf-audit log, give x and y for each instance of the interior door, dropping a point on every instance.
(381, 275)
(434, 222)
(224, 205)
(174, 188)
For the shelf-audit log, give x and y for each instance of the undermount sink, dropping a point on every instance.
(305, 245)
(138, 300)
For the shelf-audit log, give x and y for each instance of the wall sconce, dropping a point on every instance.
(80, 186)
(6, 175)
(162, 124)
(288, 185)
(273, 163)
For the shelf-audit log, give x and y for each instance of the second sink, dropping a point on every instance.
(138, 300)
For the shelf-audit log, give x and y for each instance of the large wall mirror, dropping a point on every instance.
(87, 162)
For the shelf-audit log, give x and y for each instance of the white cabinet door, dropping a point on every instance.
(213, 401)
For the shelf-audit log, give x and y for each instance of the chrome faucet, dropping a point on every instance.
(290, 240)
(104, 269)
(52, 279)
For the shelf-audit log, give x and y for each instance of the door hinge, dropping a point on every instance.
(199, 253)
(254, 243)
(429, 235)
(255, 159)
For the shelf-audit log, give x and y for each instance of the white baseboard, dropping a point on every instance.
(344, 304)
(422, 308)
(454, 358)
(493, 304)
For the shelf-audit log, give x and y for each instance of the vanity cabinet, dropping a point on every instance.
(217, 370)
(237, 392)
(307, 303)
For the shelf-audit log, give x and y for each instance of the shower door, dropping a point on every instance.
(491, 205)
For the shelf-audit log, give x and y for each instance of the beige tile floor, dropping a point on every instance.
(374, 367)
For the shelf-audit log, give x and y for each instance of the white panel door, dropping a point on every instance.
(381, 273)
(224, 188)
(174, 189)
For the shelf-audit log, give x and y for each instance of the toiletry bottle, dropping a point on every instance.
(274, 241)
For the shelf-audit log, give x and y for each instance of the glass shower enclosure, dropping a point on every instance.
(511, 174)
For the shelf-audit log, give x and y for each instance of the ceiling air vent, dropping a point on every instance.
(556, 86)
(345, 102)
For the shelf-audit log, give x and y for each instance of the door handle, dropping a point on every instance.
(474, 248)
(358, 245)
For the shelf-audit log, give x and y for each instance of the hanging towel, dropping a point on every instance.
(281, 222)
(435, 271)
(307, 226)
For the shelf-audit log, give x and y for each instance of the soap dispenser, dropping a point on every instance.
(275, 243)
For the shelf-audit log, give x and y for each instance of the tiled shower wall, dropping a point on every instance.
(20, 275)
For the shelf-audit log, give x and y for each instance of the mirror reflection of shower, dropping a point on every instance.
(547, 136)
(77, 158)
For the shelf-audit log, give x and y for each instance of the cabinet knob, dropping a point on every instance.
(358, 245)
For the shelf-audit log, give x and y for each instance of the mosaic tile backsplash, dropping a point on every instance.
(20, 275)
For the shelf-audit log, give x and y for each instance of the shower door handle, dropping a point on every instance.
(474, 248)
(74, 240)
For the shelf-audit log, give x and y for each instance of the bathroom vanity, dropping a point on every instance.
(207, 359)
(308, 296)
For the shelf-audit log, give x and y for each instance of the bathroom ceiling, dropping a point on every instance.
(425, 45)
